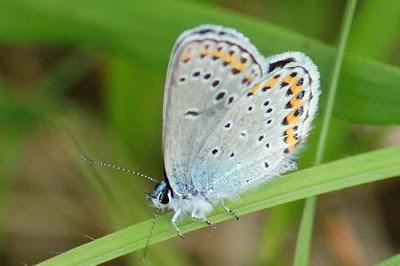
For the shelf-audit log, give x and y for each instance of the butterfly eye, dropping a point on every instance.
(164, 198)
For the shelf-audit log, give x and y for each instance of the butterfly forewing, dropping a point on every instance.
(209, 69)
(256, 138)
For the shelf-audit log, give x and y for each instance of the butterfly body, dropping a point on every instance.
(232, 119)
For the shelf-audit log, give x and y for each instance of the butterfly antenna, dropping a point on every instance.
(116, 167)
(149, 238)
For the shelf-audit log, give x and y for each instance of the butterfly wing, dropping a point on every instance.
(258, 136)
(210, 67)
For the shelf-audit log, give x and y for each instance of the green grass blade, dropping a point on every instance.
(392, 261)
(303, 244)
(360, 169)
(304, 238)
(134, 30)
(348, 16)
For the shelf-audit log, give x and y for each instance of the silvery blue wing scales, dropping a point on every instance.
(232, 119)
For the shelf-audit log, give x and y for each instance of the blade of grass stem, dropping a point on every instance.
(303, 245)
(312, 181)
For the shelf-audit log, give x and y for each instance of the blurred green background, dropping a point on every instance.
(96, 70)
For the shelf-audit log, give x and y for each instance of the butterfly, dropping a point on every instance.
(232, 119)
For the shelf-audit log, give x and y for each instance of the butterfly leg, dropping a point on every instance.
(229, 210)
(196, 214)
(210, 225)
(175, 218)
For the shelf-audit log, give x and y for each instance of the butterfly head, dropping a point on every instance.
(161, 195)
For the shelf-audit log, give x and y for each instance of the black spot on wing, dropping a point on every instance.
(204, 31)
(207, 76)
(280, 64)
(215, 83)
(220, 96)
(300, 95)
(191, 113)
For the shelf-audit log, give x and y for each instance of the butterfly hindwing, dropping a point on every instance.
(257, 137)
(209, 68)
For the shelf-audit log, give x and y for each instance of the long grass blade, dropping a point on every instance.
(313, 181)
(303, 245)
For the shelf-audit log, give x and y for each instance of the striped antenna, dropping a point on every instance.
(116, 167)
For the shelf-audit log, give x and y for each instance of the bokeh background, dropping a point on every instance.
(95, 70)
